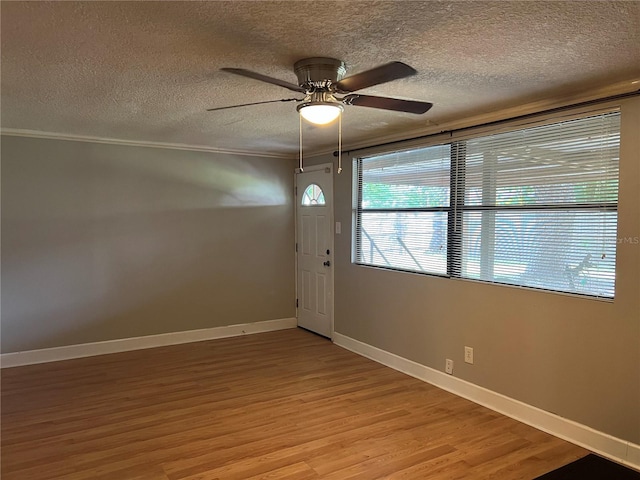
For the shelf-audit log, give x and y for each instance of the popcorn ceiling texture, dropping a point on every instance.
(147, 71)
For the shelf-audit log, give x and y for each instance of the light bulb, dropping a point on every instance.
(320, 113)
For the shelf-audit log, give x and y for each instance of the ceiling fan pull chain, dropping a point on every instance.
(300, 118)
(339, 144)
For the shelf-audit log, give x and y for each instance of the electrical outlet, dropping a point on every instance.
(448, 367)
(468, 355)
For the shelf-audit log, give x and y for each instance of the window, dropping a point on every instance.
(313, 195)
(403, 208)
(535, 207)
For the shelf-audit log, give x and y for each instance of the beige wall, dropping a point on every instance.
(572, 356)
(102, 242)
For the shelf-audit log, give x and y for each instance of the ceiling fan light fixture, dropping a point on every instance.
(320, 113)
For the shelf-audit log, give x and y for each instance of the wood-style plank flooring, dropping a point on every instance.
(278, 405)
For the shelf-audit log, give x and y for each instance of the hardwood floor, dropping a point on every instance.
(279, 405)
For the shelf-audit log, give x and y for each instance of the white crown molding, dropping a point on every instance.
(67, 352)
(16, 132)
(548, 103)
(622, 451)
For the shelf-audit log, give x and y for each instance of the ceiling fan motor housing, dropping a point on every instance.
(320, 98)
(319, 71)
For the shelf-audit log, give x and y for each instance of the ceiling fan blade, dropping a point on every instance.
(264, 78)
(386, 103)
(375, 76)
(255, 103)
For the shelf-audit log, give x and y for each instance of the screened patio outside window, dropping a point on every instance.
(533, 207)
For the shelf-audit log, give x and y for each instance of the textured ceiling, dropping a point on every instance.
(147, 71)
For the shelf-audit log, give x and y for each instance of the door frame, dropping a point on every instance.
(297, 196)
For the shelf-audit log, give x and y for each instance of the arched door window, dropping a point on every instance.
(313, 195)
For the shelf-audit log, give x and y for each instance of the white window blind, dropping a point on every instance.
(534, 207)
(540, 206)
(402, 210)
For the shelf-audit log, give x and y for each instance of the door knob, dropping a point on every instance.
(327, 263)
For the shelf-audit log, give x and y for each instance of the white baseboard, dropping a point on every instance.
(606, 445)
(136, 343)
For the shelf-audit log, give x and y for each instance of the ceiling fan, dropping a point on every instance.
(326, 89)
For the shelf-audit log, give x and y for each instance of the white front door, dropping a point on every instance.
(314, 244)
